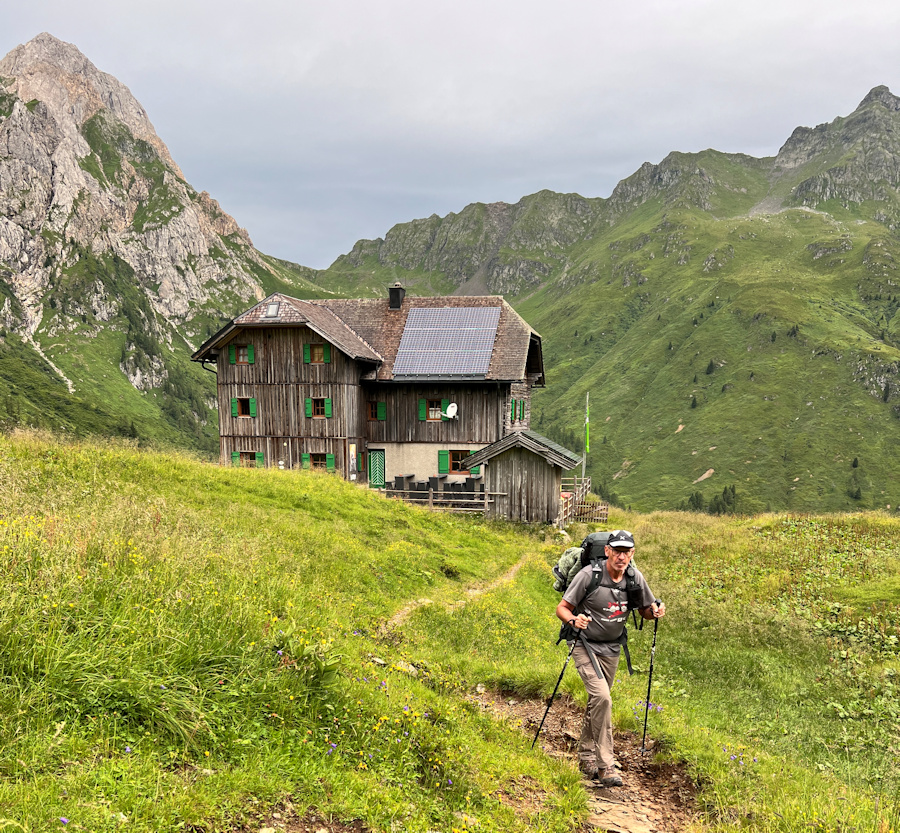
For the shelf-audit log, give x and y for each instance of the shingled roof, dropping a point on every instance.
(552, 452)
(369, 330)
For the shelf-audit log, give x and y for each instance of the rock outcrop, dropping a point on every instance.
(83, 171)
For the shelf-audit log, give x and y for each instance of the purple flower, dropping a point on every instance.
(64, 821)
(450, 782)
(128, 750)
(280, 653)
(733, 757)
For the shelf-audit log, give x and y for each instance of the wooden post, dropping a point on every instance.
(430, 496)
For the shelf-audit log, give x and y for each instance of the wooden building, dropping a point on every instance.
(375, 389)
(525, 471)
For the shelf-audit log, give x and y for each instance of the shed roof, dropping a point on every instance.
(369, 330)
(552, 452)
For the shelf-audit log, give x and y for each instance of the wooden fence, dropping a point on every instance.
(473, 502)
(575, 504)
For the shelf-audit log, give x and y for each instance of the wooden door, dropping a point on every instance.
(376, 468)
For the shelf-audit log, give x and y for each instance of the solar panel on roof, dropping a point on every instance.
(449, 341)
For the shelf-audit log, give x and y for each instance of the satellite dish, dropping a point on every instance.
(452, 408)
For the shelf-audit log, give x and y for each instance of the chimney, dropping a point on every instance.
(395, 295)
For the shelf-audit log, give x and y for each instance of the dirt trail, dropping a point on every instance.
(472, 592)
(655, 798)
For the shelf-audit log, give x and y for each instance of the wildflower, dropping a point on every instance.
(64, 820)
(127, 750)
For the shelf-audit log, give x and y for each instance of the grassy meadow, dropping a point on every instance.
(185, 646)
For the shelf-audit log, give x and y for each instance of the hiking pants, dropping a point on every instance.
(596, 739)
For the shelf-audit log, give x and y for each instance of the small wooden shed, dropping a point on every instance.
(524, 470)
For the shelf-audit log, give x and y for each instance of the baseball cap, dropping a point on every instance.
(621, 539)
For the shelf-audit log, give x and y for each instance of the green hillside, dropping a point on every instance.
(729, 316)
(187, 646)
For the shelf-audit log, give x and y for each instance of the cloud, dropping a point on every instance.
(316, 124)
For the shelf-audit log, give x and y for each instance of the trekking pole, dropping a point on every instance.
(550, 701)
(649, 683)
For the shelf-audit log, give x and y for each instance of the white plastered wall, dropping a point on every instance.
(419, 459)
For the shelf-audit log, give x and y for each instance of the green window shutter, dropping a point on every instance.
(234, 407)
(235, 458)
(443, 462)
(232, 354)
(308, 406)
(445, 403)
(326, 353)
(382, 411)
(304, 461)
(253, 407)
(522, 410)
(512, 412)
(329, 462)
(475, 470)
(306, 358)
(328, 409)
(250, 354)
(423, 410)
(260, 460)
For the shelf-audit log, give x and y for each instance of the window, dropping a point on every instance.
(317, 353)
(272, 309)
(432, 410)
(248, 459)
(317, 461)
(243, 406)
(240, 354)
(377, 411)
(456, 460)
(318, 408)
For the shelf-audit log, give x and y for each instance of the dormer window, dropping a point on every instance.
(272, 309)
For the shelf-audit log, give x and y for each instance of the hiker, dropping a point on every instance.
(601, 615)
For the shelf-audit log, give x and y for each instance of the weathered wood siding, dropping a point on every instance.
(530, 483)
(480, 418)
(280, 382)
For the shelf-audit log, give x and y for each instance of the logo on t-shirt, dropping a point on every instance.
(617, 609)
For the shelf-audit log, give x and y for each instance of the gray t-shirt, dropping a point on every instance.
(607, 606)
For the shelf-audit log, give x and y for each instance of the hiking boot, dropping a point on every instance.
(588, 768)
(608, 778)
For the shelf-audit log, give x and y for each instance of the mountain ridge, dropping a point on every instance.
(741, 313)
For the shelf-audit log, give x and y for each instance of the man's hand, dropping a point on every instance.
(659, 610)
(581, 621)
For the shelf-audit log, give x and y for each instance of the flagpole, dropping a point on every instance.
(587, 434)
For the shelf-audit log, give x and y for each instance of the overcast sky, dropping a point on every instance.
(319, 123)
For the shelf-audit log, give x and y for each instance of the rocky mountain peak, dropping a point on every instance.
(58, 74)
(882, 95)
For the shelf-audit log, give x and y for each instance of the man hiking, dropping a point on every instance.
(601, 615)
